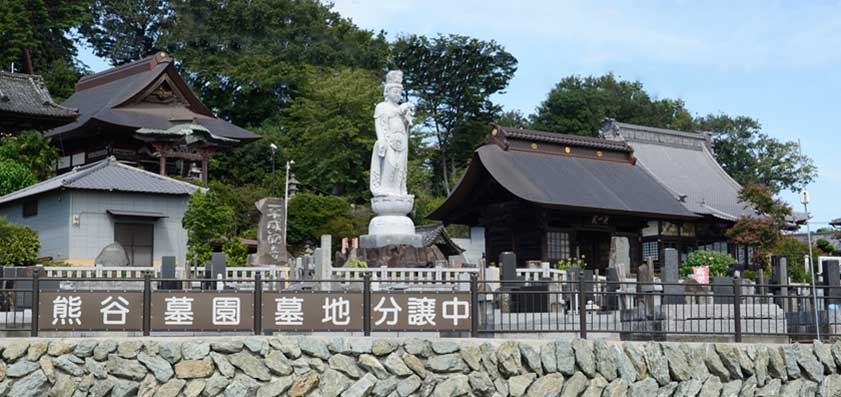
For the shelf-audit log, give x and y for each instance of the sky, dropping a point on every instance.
(776, 61)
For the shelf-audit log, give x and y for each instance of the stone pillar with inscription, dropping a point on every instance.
(271, 248)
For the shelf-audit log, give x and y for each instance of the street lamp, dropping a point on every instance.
(286, 199)
(804, 198)
(274, 179)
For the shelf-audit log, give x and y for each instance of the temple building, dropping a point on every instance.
(618, 198)
(144, 114)
(548, 197)
(26, 104)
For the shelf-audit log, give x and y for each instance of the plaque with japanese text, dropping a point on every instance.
(420, 311)
(312, 311)
(202, 311)
(90, 311)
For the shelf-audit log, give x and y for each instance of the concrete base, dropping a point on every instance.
(401, 256)
(384, 240)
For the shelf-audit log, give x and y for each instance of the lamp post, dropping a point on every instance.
(286, 199)
(804, 198)
(274, 179)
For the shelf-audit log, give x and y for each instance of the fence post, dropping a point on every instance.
(36, 298)
(737, 310)
(582, 306)
(147, 303)
(258, 304)
(474, 305)
(366, 304)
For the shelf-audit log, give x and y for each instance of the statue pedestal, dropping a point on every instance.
(391, 226)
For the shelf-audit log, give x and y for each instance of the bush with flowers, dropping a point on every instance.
(718, 262)
(565, 264)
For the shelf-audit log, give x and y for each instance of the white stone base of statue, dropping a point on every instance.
(391, 226)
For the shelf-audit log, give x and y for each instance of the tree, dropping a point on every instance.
(763, 231)
(329, 131)
(513, 119)
(19, 245)
(14, 176)
(311, 215)
(751, 156)
(244, 58)
(32, 150)
(125, 31)
(452, 79)
(577, 105)
(45, 28)
(207, 219)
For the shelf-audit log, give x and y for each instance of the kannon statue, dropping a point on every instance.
(392, 121)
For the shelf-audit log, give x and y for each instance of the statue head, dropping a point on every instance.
(393, 89)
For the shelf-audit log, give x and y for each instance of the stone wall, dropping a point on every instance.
(380, 367)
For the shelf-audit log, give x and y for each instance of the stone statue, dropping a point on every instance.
(392, 120)
(391, 201)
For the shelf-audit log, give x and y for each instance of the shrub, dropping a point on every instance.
(565, 264)
(236, 252)
(14, 176)
(19, 245)
(207, 219)
(796, 251)
(718, 262)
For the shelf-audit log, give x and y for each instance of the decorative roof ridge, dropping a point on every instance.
(119, 72)
(37, 82)
(558, 138)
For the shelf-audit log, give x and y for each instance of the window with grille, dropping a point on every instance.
(557, 245)
(718, 246)
(30, 208)
(650, 248)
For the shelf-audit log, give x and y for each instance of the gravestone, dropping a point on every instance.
(271, 246)
(508, 262)
(673, 294)
(324, 265)
(309, 264)
(620, 253)
(722, 290)
(112, 255)
(779, 281)
(613, 285)
(214, 269)
(832, 279)
(168, 272)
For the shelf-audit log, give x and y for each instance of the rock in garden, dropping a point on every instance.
(771, 389)
(21, 369)
(227, 347)
(372, 365)
(667, 390)
(85, 348)
(157, 365)
(250, 365)
(36, 350)
(394, 364)
(257, 345)
(191, 369)
(547, 357)
(314, 347)
(790, 355)
(288, 346)
(194, 387)
(360, 388)
(624, 367)
(381, 347)
(824, 354)
(678, 363)
(170, 351)
(278, 363)
(605, 359)
(731, 389)
(123, 368)
(223, 365)
(635, 354)
(443, 346)
(517, 385)
(453, 386)
(711, 388)
(417, 347)
(60, 347)
(126, 388)
(776, 363)
(532, 358)
(657, 365)
(194, 350)
(448, 363)
(689, 388)
(66, 364)
(385, 387)
(14, 351)
(481, 383)
(346, 365)
(575, 385)
(280, 386)
(584, 356)
(129, 348)
(408, 386)
(303, 385)
(472, 355)
(415, 364)
(509, 359)
(731, 358)
(616, 388)
(812, 369)
(645, 388)
(171, 388)
(714, 363)
(333, 383)
(33, 385)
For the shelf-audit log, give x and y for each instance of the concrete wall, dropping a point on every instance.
(474, 246)
(51, 223)
(409, 367)
(96, 227)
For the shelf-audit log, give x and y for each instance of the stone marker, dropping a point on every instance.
(832, 279)
(673, 294)
(168, 271)
(324, 266)
(271, 247)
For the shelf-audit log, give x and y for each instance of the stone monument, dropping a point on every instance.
(271, 246)
(391, 201)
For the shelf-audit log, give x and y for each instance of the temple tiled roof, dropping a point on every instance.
(26, 103)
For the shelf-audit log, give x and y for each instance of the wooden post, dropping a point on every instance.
(163, 164)
(204, 160)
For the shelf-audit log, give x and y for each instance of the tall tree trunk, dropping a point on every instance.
(446, 180)
(442, 147)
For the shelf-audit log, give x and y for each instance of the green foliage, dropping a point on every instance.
(235, 252)
(566, 264)
(577, 105)
(311, 215)
(19, 245)
(513, 119)
(244, 58)
(424, 205)
(796, 251)
(357, 264)
(827, 247)
(32, 150)
(45, 28)
(207, 219)
(718, 262)
(329, 131)
(452, 79)
(752, 157)
(14, 176)
(763, 231)
(241, 199)
(125, 31)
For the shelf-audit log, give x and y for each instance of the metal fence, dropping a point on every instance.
(628, 310)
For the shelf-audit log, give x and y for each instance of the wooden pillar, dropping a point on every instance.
(204, 160)
(163, 164)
